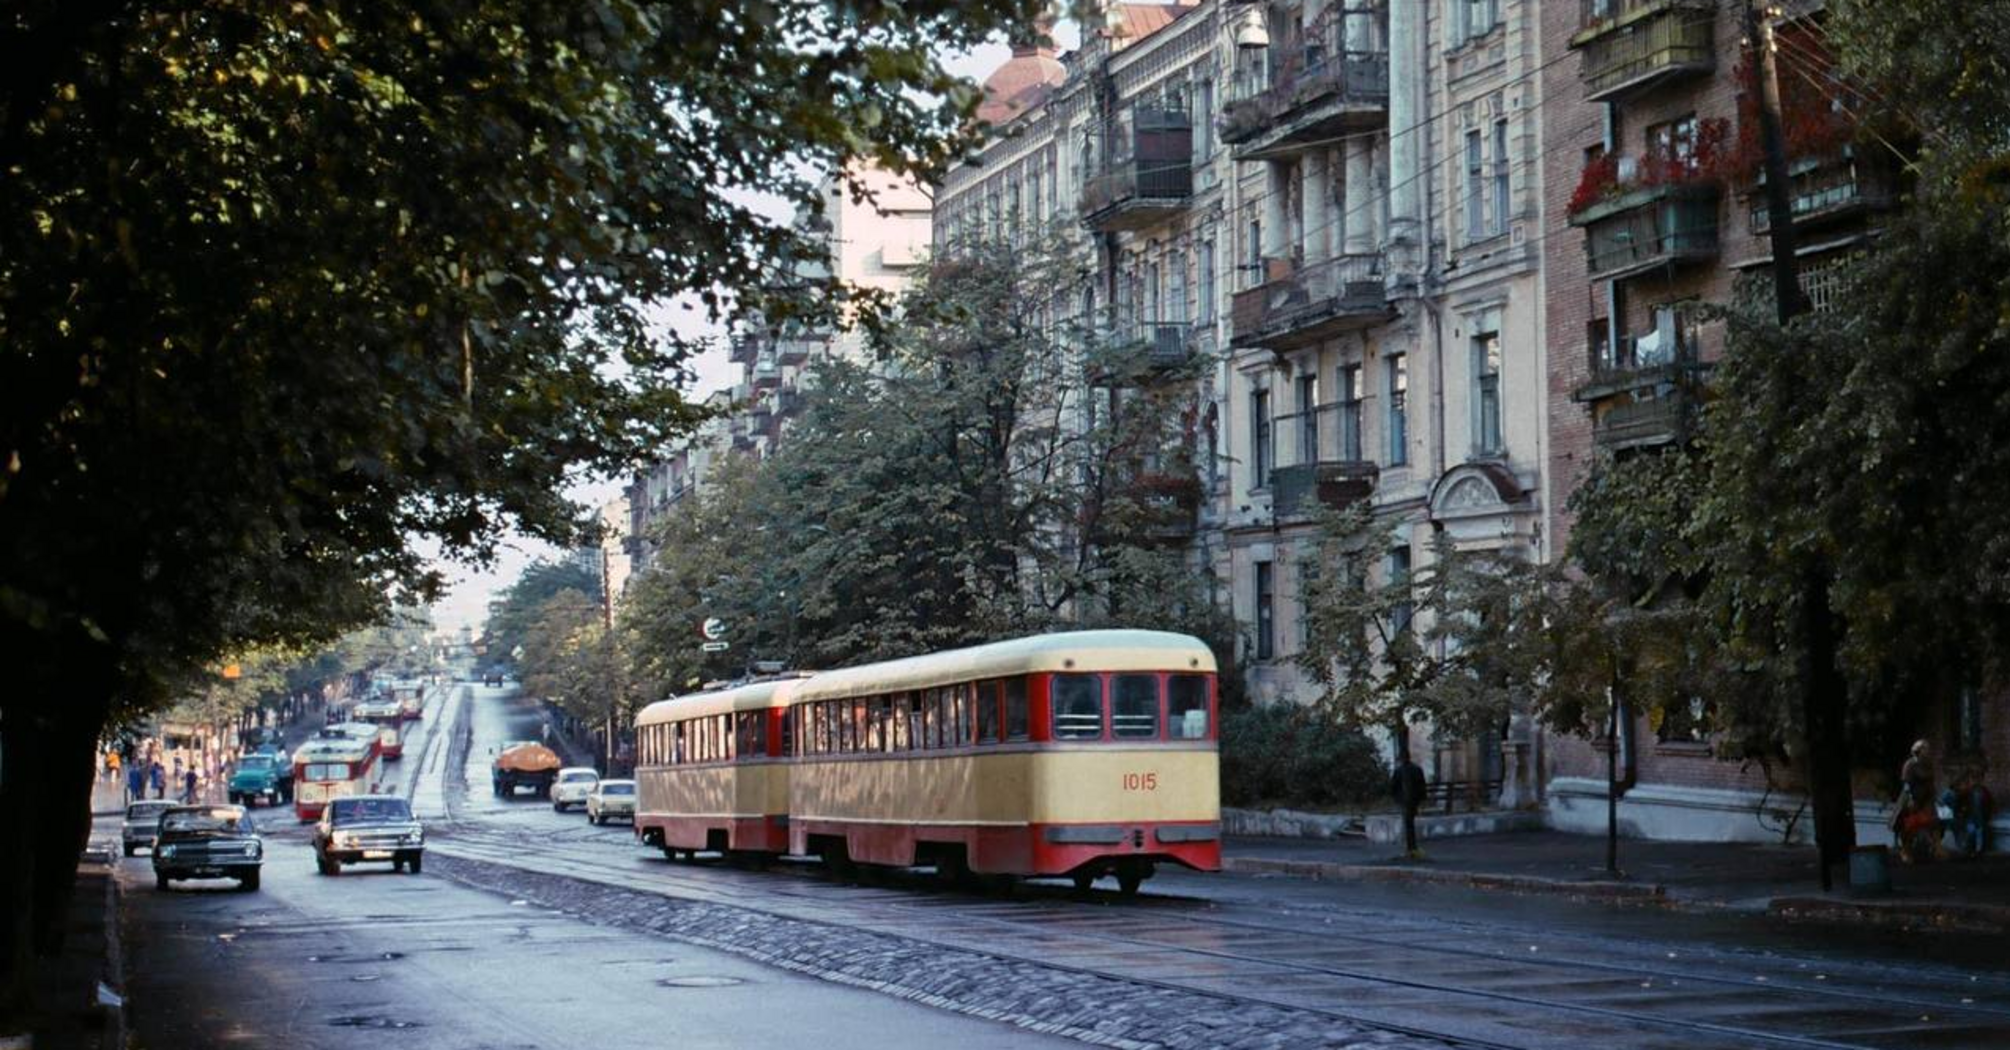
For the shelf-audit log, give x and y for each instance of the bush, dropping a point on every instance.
(1284, 755)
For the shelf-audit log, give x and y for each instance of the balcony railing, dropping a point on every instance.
(1643, 389)
(1297, 491)
(1149, 174)
(1311, 303)
(1828, 189)
(1630, 45)
(767, 373)
(796, 348)
(1319, 89)
(1650, 226)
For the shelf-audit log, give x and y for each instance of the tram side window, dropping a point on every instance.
(1078, 707)
(987, 712)
(1134, 706)
(917, 730)
(680, 744)
(931, 719)
(1186, 707)
(1015, 709)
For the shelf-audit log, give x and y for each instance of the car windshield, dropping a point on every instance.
(255, 762)
(218, 820)
(579, 778)
(147, 810)
(617, 789)
(352, 810)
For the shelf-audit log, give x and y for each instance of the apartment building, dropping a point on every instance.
(1656, 201)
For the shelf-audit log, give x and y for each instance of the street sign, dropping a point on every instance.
(715, 647)
(713, 629)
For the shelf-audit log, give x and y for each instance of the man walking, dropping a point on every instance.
(1406, 785)
(136, 783)
(158, 774)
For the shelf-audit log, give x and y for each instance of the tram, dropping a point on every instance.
(388, 720)
(331, 766)
(712, 771)
(1079, 755)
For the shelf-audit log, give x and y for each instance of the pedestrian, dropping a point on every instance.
(1406, 785)
(1916, 824)
(158, 774)
(188, 787)
(112, 764)
(136, 783)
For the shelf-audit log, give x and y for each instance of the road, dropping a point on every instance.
(1197, 960)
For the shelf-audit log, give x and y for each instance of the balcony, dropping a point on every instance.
(1825, 190)
(796, 348)
(790, 402)
(1629, 46)
(1299, 491)
(767, 373)
(1168, 503)
(1139, 347)
(1149, 177)
(1645, 392)
(1318, 87)
(1642, 222)
(1311, 303)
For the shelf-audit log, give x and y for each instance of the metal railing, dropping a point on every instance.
(1312, 75)
(1164, 181)
(1340, 285)
(1645, 38)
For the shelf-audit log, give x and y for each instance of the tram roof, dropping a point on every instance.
(1115, 650)
(331, 749)
(753, 696)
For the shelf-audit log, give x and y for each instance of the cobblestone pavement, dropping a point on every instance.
(1091, 1008)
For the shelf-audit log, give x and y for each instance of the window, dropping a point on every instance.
(1078, 707)
(1259, 438)
(987, 712)
(1176, 290)
(1476, 210)
(1206, 281)
(1186, 707)
(1477, 18)
(1399, 411)
(1203, 120)
(1487, 393)
(1266, 635)
(1673, 141)
(1399, 577)
(1253, 254)
(1308, 419)
(1015, 709)
(1501, 183)
(931, 723)
(1350, 412)
(1134, 706)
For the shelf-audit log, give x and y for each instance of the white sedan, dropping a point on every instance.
(610, 799)
(573, 785)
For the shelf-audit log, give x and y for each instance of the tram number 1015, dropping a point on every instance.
(1141, 781)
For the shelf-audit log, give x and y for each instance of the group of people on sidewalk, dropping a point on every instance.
(1925, 818)
(142, 774)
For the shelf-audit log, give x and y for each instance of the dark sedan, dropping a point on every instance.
(208, 842)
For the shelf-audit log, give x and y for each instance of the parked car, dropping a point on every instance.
(208, 842)
(492, 678)
(260, 777)
(363, 828)
(573, 785)
(610, 799)
(143, 824)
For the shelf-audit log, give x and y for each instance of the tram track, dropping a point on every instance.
(1508, 1010)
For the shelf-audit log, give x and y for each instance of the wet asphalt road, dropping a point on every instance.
(1493, 969)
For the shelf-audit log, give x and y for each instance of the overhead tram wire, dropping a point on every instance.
(1808, 69)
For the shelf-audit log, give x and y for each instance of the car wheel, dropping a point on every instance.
(248, 883)
(413, 865)
(558, 807)
(131, 849)
(326, 866)
(160, 881)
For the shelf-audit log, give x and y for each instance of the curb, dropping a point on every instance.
(1602, 889)
(1950, 918)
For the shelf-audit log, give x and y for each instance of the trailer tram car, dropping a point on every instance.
(388, 721)
(1078, 755)
(713, 773)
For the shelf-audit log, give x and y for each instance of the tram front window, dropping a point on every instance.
(1134, 706)
(1186, 706)
(1078, 707)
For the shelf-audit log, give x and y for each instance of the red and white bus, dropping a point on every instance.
(388, 720)
(331, 766)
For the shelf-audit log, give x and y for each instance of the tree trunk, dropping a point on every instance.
(1823, 694)
(48, 728)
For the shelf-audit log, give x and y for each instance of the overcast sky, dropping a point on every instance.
(466, 604)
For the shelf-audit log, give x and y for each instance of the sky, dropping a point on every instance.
(470, 590)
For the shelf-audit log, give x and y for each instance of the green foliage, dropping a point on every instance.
(570, 657)
(514, 613)
(967, 485)
(1280, 754)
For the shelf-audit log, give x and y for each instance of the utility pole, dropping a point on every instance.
(1821, 686)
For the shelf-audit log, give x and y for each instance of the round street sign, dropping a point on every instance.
(713, 629)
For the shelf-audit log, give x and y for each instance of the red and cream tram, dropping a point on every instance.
(1082, 754)
(331, 766)
(388, 721)
(713, 773)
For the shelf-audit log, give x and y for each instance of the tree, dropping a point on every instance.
(513, 614)
(288, 287)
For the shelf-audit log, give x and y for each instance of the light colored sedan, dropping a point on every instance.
(143, 824)
(610, 799)
(574, 783)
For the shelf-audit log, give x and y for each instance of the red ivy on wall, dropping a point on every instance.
(1813, 117)
(1707, 161)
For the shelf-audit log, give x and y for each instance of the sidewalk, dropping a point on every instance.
(1972, 896)
(79, 995)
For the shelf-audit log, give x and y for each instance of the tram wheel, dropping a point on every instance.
(1084, 881)
(1131, 876)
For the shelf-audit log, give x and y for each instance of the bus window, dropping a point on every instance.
(1186, 707)
(987, 712)
(1078, 707)
(1015, 709)
(1134, 706)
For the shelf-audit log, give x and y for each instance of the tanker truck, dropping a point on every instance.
(524, 763)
